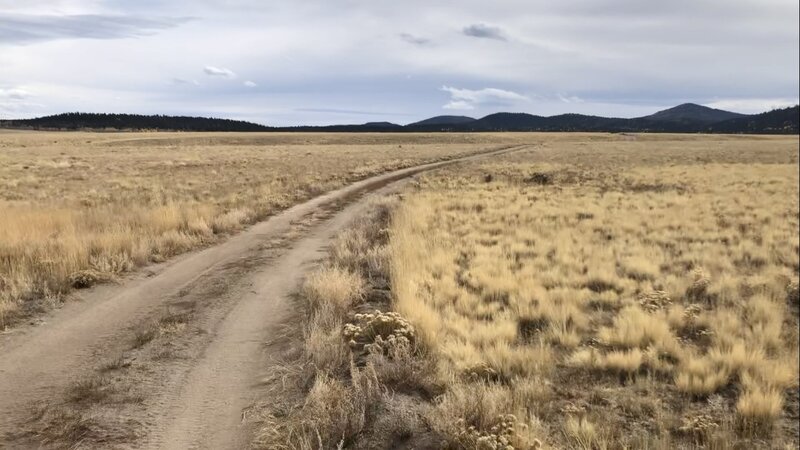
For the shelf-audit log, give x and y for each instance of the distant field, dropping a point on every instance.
(592, 292)
(77, 208)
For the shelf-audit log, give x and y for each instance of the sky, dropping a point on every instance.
(319, 62)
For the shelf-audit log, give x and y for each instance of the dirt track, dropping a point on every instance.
(185, 387)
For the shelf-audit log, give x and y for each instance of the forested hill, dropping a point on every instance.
(686, 118)
(92, 121)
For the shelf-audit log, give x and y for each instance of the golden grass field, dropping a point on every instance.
(595, 292)
(77, 208)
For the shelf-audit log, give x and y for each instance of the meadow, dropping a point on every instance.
(80, 208)
(594, 292)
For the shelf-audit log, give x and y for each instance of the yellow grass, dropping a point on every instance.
(76, 208)
(333, 286)
(671, 261)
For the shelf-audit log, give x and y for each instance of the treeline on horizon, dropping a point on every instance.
(779, 121)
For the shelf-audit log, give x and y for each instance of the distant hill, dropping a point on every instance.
(784, 121)
(508, 121)
(690, 112)
(443, 120)
(686, 118)
(381, 125)
(92, 121)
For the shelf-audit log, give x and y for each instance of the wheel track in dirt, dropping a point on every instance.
(237, 294)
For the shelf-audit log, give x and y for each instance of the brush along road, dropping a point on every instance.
(172, 356)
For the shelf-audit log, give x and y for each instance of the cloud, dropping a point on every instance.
(28, 28)
(219, 72)
(250, 84)
(625, 58)
(15, 100)
(416, 40)
(185, 81)
(350, 111)
(466, 99)
(481, 30)
(752, 105)
(570, 98)
(14, 94)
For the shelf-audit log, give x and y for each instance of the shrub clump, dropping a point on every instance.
(700, 283)
(83, 279)
(540, 178)
(698, 424)
(379, 332)
(499, 437)
(654, 301)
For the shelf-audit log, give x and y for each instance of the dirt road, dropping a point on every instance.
(171, 357)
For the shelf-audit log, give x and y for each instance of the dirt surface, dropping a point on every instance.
(171, 357)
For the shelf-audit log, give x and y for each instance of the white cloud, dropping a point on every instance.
(16, 101)
(250, 84)
(570, 98)
(621, 57)
(14, 94)
(752, 105)
(466, 99)
(219, 72)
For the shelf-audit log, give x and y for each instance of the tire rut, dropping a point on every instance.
(202, 321)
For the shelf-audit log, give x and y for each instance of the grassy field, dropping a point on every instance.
(78, 208)
(595, 292)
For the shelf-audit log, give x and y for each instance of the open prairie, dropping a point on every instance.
(592, 292)
(558, 290)
(78, 208)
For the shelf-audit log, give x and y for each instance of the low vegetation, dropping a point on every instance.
(585, 294)
(652, 303)
(81, 208)
(356, 356)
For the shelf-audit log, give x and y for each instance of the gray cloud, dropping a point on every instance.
(185, 81)
(481, 30)
(607, 57)
(416, 40)
(27, 28)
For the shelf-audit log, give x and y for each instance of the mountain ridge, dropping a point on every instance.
(443, 120)
(693, 111)
(685, 118)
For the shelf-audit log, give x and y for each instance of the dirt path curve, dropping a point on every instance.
(243, 296)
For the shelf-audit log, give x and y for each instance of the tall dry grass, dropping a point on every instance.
(341, 383)
(644, 285)
(78, 208)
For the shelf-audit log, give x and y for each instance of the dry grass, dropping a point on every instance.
(81, 208)
(333, 287)
(347, 359)
(640, 282)
(634, 299)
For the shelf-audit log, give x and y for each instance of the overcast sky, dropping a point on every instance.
(285, 62)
